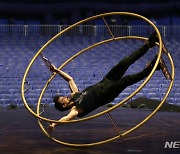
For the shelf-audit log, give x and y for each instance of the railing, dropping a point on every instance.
(85, 30)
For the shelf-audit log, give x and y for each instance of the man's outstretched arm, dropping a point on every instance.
(72, 114)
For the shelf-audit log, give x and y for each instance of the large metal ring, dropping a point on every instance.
(37, 115)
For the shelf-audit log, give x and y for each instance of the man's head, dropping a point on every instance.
(61, 102)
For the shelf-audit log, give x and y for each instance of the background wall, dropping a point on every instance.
(25, 26)
(163, 12)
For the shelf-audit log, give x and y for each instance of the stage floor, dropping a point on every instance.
(20, 133)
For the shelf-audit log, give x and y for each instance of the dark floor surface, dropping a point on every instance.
(20, 133)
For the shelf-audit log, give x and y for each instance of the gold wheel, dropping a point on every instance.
(37, 115)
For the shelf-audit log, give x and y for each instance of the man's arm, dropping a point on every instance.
(72, 114)
(66, 77)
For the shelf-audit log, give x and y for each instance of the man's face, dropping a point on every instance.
(64, 100)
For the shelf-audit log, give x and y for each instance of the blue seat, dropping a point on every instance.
(87, 69)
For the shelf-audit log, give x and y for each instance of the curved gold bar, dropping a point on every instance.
(108, 110)
(128, 131)
(161, 103)
(73, 57)
(59, 34)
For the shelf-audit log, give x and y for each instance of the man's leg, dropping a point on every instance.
(128, 80)
(119, 70)
(112, 89)
(134, 78)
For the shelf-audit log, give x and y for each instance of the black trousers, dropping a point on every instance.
(114, 82)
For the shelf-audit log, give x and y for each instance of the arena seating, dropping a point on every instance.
(89, 68)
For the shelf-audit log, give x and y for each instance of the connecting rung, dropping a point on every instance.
(27, 86)
(42, 109)
(114, 124)
(108, 28)
(164, 49)
(165, 70)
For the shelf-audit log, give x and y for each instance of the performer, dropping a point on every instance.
(105, 91)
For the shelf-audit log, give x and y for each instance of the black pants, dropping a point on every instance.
(114, 82)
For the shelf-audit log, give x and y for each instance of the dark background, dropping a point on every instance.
(55, 12)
